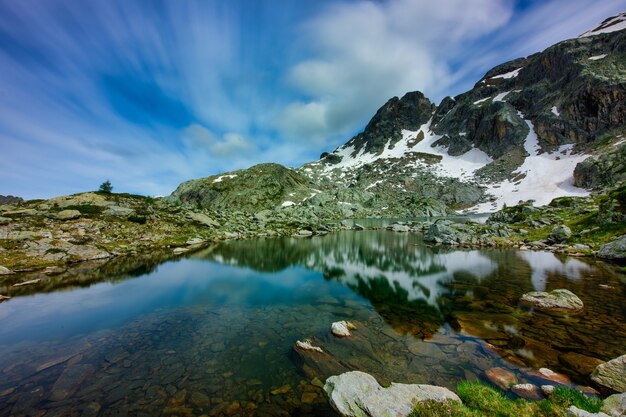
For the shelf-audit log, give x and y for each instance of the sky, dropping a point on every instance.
(150, 93)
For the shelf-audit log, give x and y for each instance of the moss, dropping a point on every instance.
(482, 400)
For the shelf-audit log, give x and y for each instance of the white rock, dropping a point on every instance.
(547, 390)
(194, 241)
(306, 345)
(340, 329)
(611, 374)
(556, 300)
(5, 271)
(357, 394)
(615, 405)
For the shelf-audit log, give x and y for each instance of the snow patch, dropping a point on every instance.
(288, 203)
(482, 100)
(221, 177)
(597, 57)
(612, 24)
(500, 97)
(547, 176)
(555, 111)
(508, 75)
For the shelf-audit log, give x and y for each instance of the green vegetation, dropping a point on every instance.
(480, 400)
(106, 187)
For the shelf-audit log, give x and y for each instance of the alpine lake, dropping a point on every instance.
(212, 332)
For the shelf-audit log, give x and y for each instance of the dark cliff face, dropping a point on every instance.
(409, 112)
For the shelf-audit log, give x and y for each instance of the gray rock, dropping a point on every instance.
(5, 270)
(611, 374)
(615, 250)
(560, 300)
(67, 215)
(400, 228)
(577, 412)
(357, 394)
(615, 405)
(119, 211)
(194, 241)
(203, 219)
(560, 234)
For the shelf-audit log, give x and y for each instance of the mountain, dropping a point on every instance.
(549, 125)
(535, 128)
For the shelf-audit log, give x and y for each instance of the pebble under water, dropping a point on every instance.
(212, 333)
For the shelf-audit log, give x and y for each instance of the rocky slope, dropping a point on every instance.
(535, 128)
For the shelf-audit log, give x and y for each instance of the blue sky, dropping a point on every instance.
(151, 93)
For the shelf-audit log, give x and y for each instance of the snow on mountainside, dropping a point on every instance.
(612, 24)
(518, 135)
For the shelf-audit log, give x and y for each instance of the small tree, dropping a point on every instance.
(106, 187)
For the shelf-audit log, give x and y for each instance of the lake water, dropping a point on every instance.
(213, 332)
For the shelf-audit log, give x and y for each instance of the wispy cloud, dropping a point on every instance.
(150, 94)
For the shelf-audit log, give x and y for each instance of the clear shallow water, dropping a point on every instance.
(213, 333)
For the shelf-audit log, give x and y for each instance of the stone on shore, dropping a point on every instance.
(556, 301)
(560, 234)
(615, 250)
(577, 412)
(357, 394)
(615, 405)
(528, 391)
(5, 270)
(611, 374)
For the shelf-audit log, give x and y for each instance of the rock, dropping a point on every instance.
(305, 233)
(611, 374)
(556, 301)
(501, 378)
(581, 364)
(67, 215)
(203, 219)
(308, 397)
(560, 234)
(547, 390)
(400, 228)
(615, 405)
(615, 250)
(69, 381)
(306, 345)
(180, 250)
(552, 376)
(4, 298)
(5, 271)
(194, 241)
(119, 211)
(25, 283)
(282, 390)
(341, 328)
(528, 391)
(577, 412)
(357, 394)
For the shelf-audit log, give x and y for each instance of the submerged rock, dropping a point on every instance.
(615, 250)
(528, 391)
(306, 345)
(560, 300)
(342, 328)
(501, 378)
(552, 376)
(615, 405)
(357, 394)
(611, 374)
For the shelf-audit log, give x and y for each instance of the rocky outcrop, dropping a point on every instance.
(603, 170)
(615, 405)
(9, 199)
(615, 250)
(556, 301)
(611, 374)
(357, 394)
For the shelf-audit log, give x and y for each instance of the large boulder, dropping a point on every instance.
(560, 234)
(615, 405)
(611, 374)
(357, 394)
(615, 250)
(556, 301)
(67, 215)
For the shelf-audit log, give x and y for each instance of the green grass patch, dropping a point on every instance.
(484, 401)
(86, 209)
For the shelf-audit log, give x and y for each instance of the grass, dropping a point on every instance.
(480, 400)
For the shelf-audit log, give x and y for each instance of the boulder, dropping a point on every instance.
(615, 250)
(611, 374)
(501, 378)
(5, 271)
(556, 301)
(341, 328)
(67, 215)
(203, 219)
(400, 228)
(528, 391)
(119, 211)
(574, 411)
(560, 234)
(582, 364)
(357, 394)
(4, 298)
(615, 405)
(554, 377)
